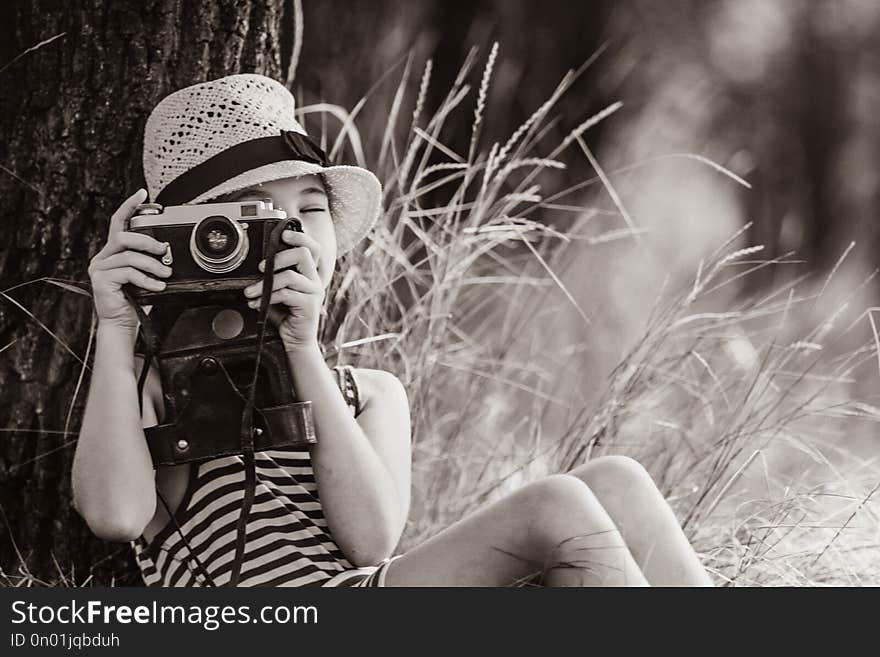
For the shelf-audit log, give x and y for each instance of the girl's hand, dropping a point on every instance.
(124, 259)
(300, 293)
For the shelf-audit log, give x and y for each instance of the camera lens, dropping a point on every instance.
(218, 244)
(216, 238)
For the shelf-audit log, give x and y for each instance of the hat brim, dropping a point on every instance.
(354, 194)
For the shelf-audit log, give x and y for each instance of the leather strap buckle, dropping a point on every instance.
(288, 426)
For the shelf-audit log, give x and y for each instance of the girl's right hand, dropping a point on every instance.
(123, 260)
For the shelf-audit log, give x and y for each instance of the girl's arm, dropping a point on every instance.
(113, 478)
(362, 467)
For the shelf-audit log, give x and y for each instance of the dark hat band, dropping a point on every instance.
(238, 159)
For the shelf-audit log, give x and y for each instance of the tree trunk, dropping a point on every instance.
(72, 114)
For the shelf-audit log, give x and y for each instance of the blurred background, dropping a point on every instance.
(784, 93)
(717, 116)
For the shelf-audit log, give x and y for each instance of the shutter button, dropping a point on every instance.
(182, 445)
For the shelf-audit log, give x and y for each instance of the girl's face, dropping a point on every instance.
(303, 198)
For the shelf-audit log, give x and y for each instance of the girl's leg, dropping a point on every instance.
(648, 524)
(556, 520)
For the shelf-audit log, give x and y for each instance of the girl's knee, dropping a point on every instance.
(615, 473)
(561, 507)
(554, 493)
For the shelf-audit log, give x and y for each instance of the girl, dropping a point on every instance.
(334, 514)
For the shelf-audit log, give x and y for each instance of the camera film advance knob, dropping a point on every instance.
(148, 208)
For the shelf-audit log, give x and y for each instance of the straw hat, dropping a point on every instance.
(225, 135)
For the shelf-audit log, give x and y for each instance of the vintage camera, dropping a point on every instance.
(214, 248)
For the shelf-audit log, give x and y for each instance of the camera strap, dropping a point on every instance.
(247, 416)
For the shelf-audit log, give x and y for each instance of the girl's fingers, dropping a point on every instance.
(295, 238)
(123, 275)
(299, 257)
(117, 223)
(295, 281)
(125, 239)
(135, 259)
(287, 297)
(125, 211)
(141, 242)
(287, 279)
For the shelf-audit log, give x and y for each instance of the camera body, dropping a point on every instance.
(214, 248)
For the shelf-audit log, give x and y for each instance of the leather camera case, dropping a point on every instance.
(203, 409)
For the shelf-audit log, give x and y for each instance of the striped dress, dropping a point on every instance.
(288, 542)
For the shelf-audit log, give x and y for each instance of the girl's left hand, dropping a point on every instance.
(299, 295)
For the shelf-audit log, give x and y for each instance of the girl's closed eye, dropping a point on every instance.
(313, 209)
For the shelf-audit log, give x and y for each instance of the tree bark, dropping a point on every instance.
(72, 114)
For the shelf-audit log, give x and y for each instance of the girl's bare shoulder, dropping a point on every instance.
(378, 386)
